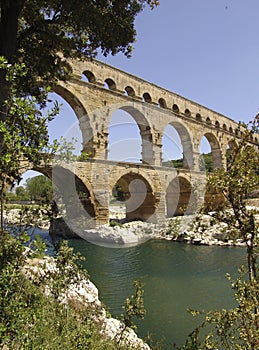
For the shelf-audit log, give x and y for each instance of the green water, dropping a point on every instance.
(176, 277)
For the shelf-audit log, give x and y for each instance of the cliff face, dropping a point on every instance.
(84, 293)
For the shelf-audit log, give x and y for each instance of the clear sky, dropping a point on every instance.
(204, 50)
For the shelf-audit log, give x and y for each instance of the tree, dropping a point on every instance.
(36, 37)
(39, 188)
(40, 33)
(238, 327)
(25, 133)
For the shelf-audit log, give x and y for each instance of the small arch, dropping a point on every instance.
(217, 125)
(231, 129)
(110, 84)
(88, 76)
(208, 121)
(162, 103)
(175, 108)
(224, 127)
(147, 98)
(198, 117)
(129, 91)
(137, 196)
(237, 132)
(187, 112)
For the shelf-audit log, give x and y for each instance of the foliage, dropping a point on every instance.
(236, 328)
(206, 162)
(25, 133)
(30, 318)
(39, 188)
(39, 34)
(134, 306)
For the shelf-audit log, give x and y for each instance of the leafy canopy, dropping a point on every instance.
(38, 33)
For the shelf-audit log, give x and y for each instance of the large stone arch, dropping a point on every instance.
(73, 194)
(140, 196)
(216, 151)
(82, 115)
(187, 145)
(178, 197)
(144, 129)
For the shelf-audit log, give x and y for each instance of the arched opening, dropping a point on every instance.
(124, 139)
(175, 108)
(224, 127)
(72, 122)
(161, 103)
(187, 112)
(208, 121)
(147, 98)
(109, 84)
(34, 188)
(217, 125)
(135, 196)
(178, 196)
(65, 127)
(231, 129)
(88, 77)
(210, 154)
(129, 91)
(130, 137)
(177, 150)
(198, 117)
(74, 197)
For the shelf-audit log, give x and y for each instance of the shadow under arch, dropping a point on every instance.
(217, 162)
(186, 143)
(139, 197)
(145, 132)
(82, 116)
(178, 197)
(73, 197)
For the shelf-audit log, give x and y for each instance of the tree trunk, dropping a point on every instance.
(10, 12)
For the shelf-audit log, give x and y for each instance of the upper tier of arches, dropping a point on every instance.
(103, 75)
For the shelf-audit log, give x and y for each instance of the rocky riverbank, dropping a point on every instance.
(85, 293)
(188, 229)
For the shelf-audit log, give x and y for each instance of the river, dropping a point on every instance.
(176, 277)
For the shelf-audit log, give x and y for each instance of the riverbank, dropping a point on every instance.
(84, 293)
(190, 229)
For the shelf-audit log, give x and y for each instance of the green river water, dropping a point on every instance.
(176, 277)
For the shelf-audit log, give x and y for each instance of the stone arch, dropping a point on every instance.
(217, 125)
(140, 199)
(178, 196)
(162, 103)
(89, 76)
(187, 112)
(224, 127)
(216, 154)
(175, 108)
(208, 121)
(198, 117)
(82, 115)
(146, 97)
(145, 132)
(110, 84)
(230, 129)
(76, 195)
(187, 145)
(129, 91)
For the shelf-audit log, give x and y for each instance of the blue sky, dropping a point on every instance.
(204, 50)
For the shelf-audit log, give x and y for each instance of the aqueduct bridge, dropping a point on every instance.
(151, 190)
